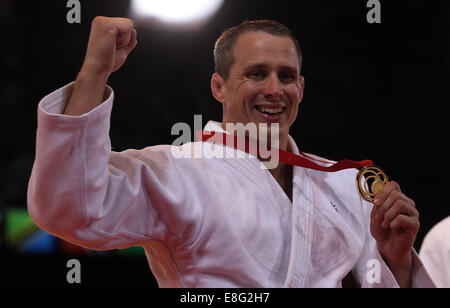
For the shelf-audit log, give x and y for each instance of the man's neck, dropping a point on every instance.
(283, 174)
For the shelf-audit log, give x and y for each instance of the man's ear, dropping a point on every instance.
(218, 87)
(302, 88)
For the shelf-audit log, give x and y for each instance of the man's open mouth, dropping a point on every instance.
(270, 111)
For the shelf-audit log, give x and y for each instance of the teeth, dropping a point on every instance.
(270, 110)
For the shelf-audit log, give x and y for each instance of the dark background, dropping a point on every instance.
(377, 91)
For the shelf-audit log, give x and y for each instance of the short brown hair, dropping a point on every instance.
(223, 50)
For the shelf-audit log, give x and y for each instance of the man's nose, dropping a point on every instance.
(272, 88)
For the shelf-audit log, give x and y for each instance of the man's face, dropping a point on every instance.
(264, 84)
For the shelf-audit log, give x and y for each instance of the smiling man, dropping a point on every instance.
(258, 81)
(216, 221)
(263, 85)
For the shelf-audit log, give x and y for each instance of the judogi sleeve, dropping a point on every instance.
(81, 191)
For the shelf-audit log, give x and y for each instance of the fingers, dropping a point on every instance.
(400, 208)
(391, 204)
(124, 34)
(132, 43)
(120, 28)
(122, 53)
(111, 20)
(384, 194)
(403, 223)
(382, 202)
(111, 41)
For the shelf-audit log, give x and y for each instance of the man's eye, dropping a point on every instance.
(286, 77)
(255, 75)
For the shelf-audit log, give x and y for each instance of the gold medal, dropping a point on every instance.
(370, 181)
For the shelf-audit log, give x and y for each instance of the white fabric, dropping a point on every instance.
(216, 222)
(435, 253)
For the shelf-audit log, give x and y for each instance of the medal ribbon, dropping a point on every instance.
(301, 160)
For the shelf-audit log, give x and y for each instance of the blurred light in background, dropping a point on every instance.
(176, 11)
(20, 236)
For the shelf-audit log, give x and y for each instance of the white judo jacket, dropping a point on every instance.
(203, 222)
(435, 253)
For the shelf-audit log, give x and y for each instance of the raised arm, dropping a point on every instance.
(80, 190)
(110, 43)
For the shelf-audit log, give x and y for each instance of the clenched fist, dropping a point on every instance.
(110, 43)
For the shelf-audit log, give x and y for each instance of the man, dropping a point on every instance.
(217, 222)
